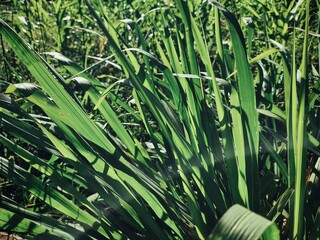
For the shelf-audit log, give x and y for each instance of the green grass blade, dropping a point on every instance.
(48, 77)
(300, 142)
(238, 189)
(280, 205)
(48, 194)
(248, 105)
(15, 217)
(279, 161)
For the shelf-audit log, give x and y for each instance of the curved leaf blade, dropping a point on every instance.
(242, 224)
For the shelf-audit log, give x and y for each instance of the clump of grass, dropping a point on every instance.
(214, 133)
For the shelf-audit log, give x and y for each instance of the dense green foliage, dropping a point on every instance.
(158, 120)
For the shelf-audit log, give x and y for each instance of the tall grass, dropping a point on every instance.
(169, 149)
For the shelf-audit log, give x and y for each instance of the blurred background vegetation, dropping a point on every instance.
(68, 28)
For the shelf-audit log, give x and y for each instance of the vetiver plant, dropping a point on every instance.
(191, 141)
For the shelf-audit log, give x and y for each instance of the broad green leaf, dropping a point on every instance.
(240, 223)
